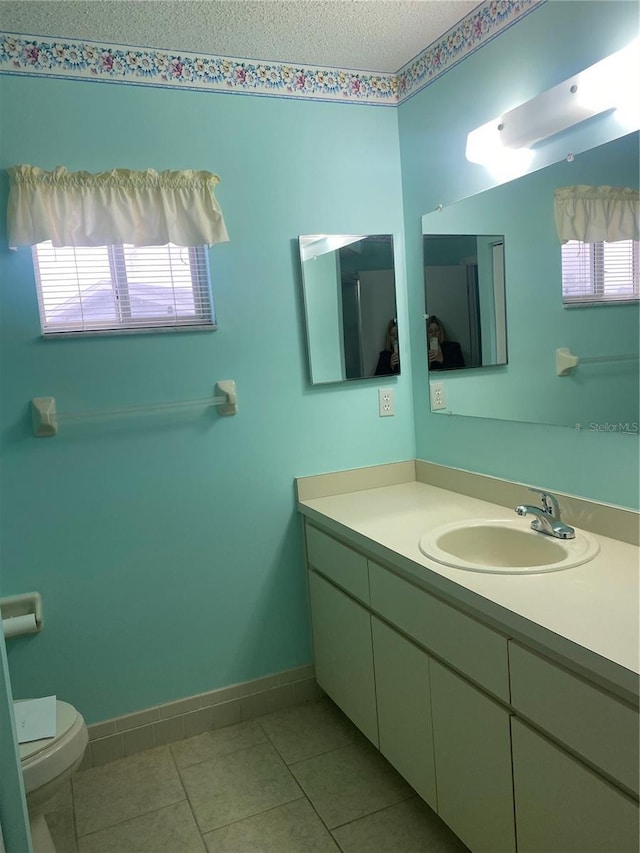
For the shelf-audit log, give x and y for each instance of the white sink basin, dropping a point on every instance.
(505, 547)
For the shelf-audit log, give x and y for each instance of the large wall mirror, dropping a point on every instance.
(349, 289)
(602, 393)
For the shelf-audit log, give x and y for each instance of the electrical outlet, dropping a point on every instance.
(436, 389)
(386, 406)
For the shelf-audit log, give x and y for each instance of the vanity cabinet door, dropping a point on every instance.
(591, 723)
(472, 746)
(564, 807)
(404, 708)
(343, 653)
(342, 565)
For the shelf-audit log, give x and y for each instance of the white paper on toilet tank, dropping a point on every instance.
(35, 718)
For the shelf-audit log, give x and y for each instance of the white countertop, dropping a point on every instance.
(587, 617)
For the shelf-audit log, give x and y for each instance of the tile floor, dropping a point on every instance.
(301, 780)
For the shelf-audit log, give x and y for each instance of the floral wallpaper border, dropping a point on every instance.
(480, 26)
(85, 60)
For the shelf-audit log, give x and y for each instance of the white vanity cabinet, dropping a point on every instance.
(471, 735)
(342, 644)
(516, 753)
(584, 812)
(403, 691)
(472, 743)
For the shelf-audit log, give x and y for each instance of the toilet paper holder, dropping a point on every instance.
(17, 607)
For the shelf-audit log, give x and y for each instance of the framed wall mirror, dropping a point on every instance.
(349, 290)
(465, 300)
(602, 393)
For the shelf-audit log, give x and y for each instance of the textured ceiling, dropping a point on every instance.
(365, 34)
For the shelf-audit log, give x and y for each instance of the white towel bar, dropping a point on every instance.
(46, 418)
(566, 361)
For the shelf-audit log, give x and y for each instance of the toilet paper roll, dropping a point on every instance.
(17, 625)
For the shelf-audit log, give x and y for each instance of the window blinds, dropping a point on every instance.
(600, 272)
(122, 287)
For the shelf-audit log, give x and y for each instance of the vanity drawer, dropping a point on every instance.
(468, 646)
(596, 725)
(563, 806)
(339, 563)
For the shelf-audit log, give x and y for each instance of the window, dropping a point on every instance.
(133, 253)
(602, 272)
(122, 288)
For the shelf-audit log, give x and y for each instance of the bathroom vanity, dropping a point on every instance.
(508, 701)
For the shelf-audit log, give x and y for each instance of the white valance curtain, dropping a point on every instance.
(597, 214)
(142, 208)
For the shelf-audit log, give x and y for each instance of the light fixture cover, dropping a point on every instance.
(612, 83)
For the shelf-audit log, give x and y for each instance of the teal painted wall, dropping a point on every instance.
(553, 42)
(167, 548)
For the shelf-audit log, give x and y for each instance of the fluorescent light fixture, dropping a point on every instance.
(504, 144)
(613, 83)
(485, 146)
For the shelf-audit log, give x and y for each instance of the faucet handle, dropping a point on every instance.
(549, 502)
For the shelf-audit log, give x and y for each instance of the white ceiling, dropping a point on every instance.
(371, 35)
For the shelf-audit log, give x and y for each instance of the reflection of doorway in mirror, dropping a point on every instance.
(352, 325)
(500, 309)
(453, 298)
(368, 303)
(378, 308)
(464, 284)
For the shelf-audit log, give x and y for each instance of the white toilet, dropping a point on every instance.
(47, 764)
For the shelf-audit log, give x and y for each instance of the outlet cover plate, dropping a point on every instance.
(438, 400)
(386, 404)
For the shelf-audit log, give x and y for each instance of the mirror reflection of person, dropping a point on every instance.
(447, 355)
(389, 360)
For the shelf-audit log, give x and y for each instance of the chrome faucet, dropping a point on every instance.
(547, 517)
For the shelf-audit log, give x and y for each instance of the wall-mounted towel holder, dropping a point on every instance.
(566, 361)
(46, 418)
(21, 614)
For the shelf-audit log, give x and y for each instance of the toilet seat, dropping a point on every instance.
(44, 761)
